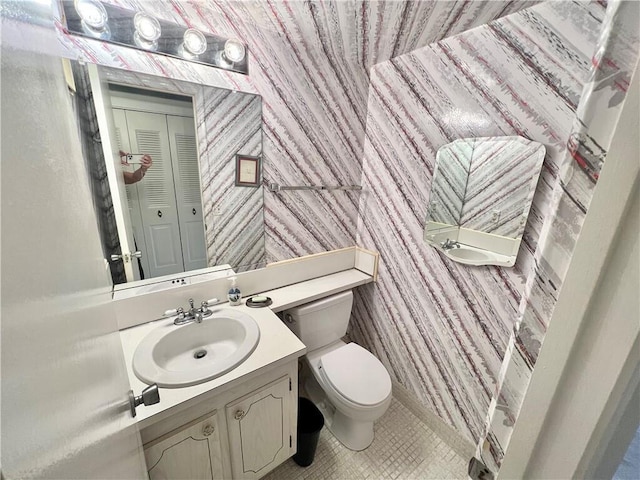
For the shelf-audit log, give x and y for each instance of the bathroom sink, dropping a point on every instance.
(466, 253)
(180, 356)
(476, 256)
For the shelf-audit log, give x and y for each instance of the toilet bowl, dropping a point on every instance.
(356, 385)
(349, 384)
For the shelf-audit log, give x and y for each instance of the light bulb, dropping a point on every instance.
(147, 31)
(92, 13)
(194, 42)
(234, 50)
(93, 18)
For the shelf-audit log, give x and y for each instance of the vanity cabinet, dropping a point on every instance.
(243, 433)
(259, 429)
(193, 452)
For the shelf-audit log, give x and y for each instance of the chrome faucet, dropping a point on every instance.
(193, 314)
(449, 244)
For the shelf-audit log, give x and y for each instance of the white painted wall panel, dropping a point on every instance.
(64, 385)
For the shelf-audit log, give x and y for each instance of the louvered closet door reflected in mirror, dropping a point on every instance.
(173, 236)
(186, 175)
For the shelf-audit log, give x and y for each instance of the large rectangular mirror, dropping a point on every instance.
(481, 193)
(162, 160)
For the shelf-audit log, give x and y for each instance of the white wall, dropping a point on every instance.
(604, 356)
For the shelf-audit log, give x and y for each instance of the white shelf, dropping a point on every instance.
(310, 290)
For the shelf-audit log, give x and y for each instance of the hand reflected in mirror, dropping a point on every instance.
(132, 177)
(145, 162)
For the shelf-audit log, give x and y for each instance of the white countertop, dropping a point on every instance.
(277, 345)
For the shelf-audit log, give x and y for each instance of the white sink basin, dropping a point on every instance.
(466, 253)
(476, 256)
(180, 356)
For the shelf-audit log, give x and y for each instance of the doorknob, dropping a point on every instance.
(150, 396)
(126, 257)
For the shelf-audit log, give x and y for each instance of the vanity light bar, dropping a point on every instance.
(274, 187)
(142, 31)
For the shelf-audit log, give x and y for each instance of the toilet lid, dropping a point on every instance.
(356, 374)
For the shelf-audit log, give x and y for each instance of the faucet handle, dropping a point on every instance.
(173, 312)
(204, 307)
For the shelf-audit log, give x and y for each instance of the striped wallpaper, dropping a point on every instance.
(503, 177)
(447, 331)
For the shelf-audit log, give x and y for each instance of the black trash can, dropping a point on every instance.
(310, 422)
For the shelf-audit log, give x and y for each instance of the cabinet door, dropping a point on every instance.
(191, 452)
(260, 430)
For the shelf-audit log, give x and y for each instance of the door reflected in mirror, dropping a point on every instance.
(161, 157)
(163, 193)
(481, 194)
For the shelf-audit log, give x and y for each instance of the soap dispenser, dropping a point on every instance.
(234, 294)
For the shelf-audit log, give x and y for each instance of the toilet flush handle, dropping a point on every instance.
(289, 319)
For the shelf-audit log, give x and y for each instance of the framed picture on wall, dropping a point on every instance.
(247, 171)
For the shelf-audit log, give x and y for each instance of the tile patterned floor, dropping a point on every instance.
(404, 448)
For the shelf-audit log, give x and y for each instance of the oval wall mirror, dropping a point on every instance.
(481, 194)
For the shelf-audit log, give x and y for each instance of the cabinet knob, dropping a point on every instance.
(208, 430)
(239, 414)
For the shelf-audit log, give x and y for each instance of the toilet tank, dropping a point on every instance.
(321, 322)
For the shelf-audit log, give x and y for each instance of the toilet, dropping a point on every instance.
(349, 385)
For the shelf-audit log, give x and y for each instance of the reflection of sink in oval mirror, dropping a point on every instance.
(181, 356)
(477, 256)
(463, 253)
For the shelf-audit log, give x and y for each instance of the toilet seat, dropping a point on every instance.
(356, 374)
